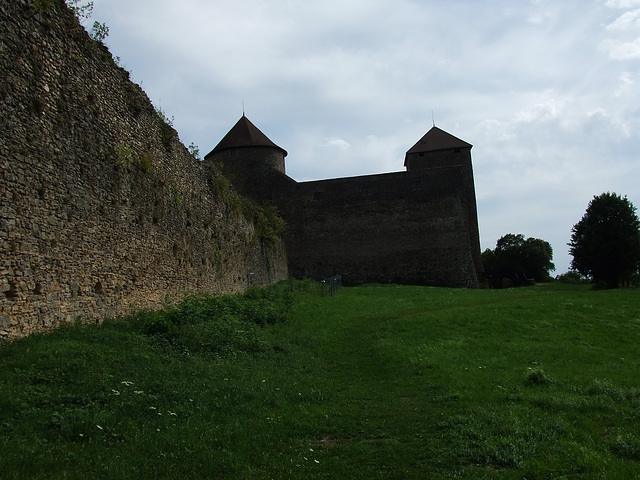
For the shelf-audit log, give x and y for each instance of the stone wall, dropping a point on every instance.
(405, 227)
(102, 209)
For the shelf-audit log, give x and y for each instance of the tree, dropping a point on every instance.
(515, 256)
(605, 244)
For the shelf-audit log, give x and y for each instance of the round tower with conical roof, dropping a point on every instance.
(248, 158)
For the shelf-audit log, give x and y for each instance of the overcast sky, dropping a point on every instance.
(546, 91)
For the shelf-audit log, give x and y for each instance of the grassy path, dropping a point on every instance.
(498, 383)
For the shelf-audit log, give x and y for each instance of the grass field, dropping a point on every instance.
(376, 382)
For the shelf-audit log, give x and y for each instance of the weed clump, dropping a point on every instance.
(537, 377)
(493, 440)
(605, 388)
(626, 446)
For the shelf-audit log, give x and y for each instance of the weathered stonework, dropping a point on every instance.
(102, 209)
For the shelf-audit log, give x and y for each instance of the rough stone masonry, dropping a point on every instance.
(102, 209)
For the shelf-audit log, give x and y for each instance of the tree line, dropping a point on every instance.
(605, 246)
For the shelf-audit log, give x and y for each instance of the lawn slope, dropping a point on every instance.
(375, 382)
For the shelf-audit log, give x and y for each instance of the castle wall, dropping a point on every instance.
(406, 227)
(102, 209)
(417, 227)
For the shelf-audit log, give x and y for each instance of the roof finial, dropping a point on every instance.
(243, 108)
(433, 119)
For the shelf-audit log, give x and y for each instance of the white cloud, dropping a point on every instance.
(622, 3)
(626, 82)
(626, 51)
(626, 21)
(334, 143)
(541, 112)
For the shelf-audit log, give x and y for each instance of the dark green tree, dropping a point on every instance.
(517, 257)
(605, 244)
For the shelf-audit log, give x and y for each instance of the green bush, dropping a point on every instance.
(224, 325)
(270, 226)
(572, 277)
(626, 446)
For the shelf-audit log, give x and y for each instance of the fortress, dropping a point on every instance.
(419, 226)
(103, 210)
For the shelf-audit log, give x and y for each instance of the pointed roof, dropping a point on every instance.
(436, 139)
(244, 134)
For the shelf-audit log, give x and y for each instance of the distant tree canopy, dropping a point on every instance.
(605, 244)
(514, 257)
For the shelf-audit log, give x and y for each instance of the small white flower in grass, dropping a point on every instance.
(138, 392)
(152, 408)
(173, 414)
(128, 384)
(317, 461)
(99, 427)
(115, 392)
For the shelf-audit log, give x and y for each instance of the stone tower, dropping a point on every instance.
(438, 149)
(249, 159)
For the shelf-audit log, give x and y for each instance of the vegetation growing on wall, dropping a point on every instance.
(128, 156)
(98, 31)
(222, 186)
(270, 226)
(81, 11)
(194, 150)
(166, 128)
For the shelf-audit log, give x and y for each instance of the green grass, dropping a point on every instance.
(376, 382)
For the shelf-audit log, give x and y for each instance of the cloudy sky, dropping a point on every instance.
(547, 91)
